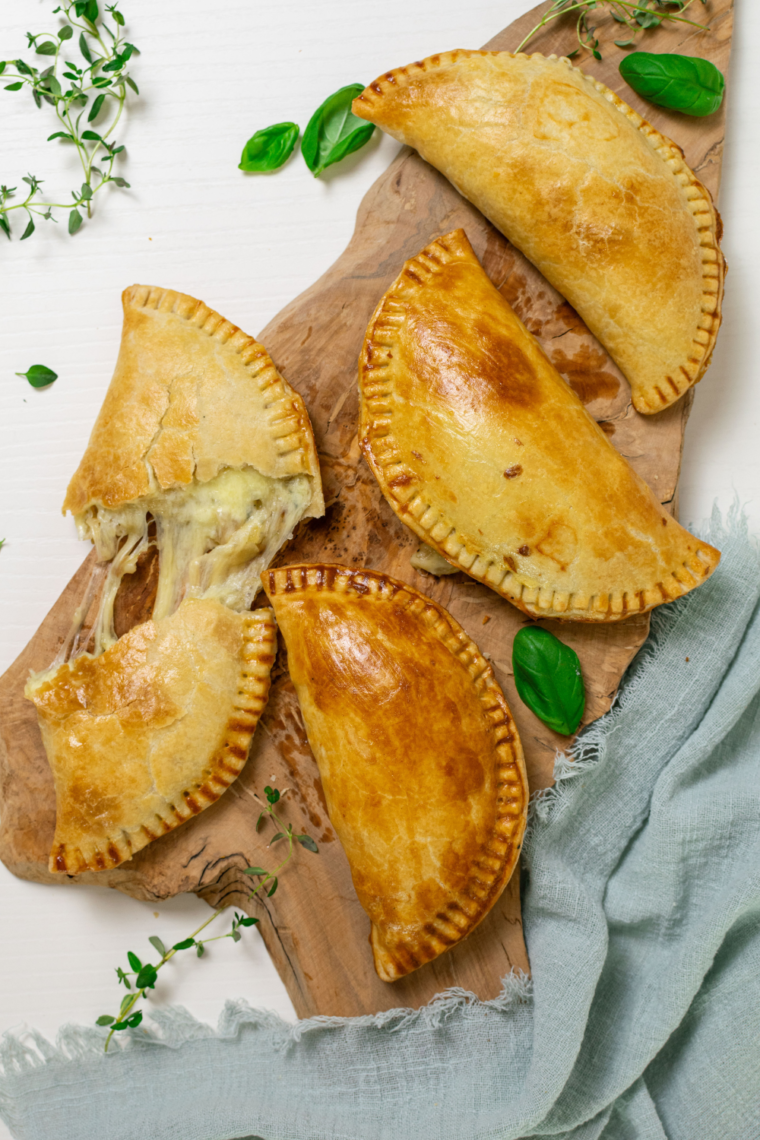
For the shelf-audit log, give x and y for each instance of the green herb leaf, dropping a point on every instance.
(157, 944)
(625, 43)
(75, 221)
(106, 1019)
(132, 84)
(95, 108)
(254, 871)
(201, 950)
(14, 86)
(125, 1001)
(247, 921)
(24, 68)
(4, 226)
(269, 148)
(184, 945)
(334, 131)
(118, 18)
(134, 961)
(683, 83)
(48, 47)
(65, 33)
(548, 679)
(92, 136)
(147, 978)
(86, 191)
(279, 835)
(121, 182)
(274, 881)
(235, 935)
(134, 1020)
(272, 794)
(29, 229)
(307, 842)
(60, 135)
(84, 47)
(39, 376)
(2, 66)
(87, 8)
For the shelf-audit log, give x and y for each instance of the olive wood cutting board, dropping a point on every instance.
(314, 927)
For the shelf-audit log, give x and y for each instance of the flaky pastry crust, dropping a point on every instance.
(145, 736)
(602, 203)
(484, 451)
(420, 759)
(191, 395)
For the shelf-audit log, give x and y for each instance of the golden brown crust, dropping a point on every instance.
(191, 394)
(600, 201)
(154, 730)
(420, 759)
(484, 451)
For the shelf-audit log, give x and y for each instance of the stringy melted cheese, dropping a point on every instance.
(214, 539)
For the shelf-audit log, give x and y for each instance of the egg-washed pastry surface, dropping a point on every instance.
(153, 730)
(199, 432)
(602, 203)
(485, 452)
(420, 759)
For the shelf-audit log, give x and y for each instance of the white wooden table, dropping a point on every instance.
(246, 245)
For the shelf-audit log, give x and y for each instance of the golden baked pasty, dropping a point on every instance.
(199, 432)
(153, 730)
(601, 202)
(420, 760)
(485, 452)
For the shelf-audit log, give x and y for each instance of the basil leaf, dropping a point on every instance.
(548, 679)
(683, 83)
(38, 375)
(269, 148)
(334, 131)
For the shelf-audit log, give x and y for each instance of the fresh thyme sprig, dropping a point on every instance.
(146, 975)
(634, 14)
(100, 85)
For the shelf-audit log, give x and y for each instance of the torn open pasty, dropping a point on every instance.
(202, 449)
(485, 452)
(152, 731)
(420, 760)
(602, 203)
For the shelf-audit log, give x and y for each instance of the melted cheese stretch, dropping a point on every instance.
(214, 539)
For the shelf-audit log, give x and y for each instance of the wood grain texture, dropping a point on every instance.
(314, 927)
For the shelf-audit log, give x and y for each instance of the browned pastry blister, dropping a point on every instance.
(485, 452)
(419, 756)
(602, 203)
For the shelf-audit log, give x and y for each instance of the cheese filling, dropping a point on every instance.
(214, 539)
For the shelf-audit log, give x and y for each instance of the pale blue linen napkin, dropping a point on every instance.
(641, 901)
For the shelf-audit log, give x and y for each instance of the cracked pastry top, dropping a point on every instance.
(419, 757)
(602, 203)
(485, 452)
(199, 433)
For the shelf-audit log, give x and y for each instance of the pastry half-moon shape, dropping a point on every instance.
(153, 730)
(200, 434)
(420, 759)
(484, 451)
(602, 203)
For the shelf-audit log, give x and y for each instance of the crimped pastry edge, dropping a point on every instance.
(375, 423)
(258, 653)
(287, 416)
(662, 394)
(501, 851)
